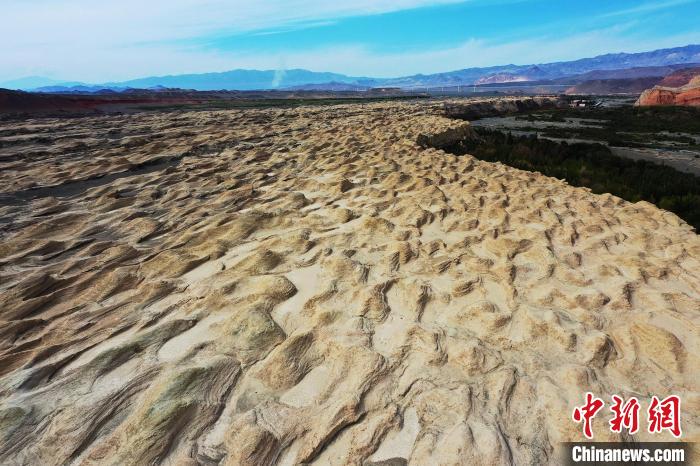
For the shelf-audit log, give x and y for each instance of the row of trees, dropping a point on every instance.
(592, 166)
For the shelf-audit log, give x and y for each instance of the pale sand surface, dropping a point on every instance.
(309, 285)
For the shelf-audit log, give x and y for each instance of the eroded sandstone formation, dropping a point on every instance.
(688, 94)
(311, 285)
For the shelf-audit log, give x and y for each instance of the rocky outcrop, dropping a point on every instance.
(312, 286)
(501, 78)
(476, 109)
(687, 93)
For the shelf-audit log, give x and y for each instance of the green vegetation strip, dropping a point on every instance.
(624, 126)
(592, 166)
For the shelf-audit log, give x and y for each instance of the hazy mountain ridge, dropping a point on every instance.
(241, 79)
(688, 54)
(627, 73)
(614, 85)
(34, 82)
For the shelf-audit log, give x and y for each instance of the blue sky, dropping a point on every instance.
(115, 40)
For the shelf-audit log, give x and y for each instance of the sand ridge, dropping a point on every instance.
(312, 285)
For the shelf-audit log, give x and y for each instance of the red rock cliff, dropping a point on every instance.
(686, 92)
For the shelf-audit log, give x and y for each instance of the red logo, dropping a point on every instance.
(662, 414)
(665, 415)
(587, 412)
(625, 415)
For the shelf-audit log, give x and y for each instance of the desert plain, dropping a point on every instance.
(321, 285)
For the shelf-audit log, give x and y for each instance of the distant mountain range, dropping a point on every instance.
(34, 82)
(609, 66)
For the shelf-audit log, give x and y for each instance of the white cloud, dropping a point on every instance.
(88, 41)
(646, 8)
(120, 22)
(44, 36)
